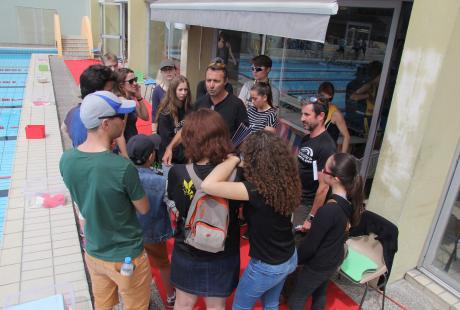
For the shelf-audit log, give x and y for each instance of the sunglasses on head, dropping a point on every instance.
(217, 64)
(256, 69)
(131, 81)
(319, 99)
(122, 116)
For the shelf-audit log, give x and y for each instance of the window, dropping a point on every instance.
(442, 256)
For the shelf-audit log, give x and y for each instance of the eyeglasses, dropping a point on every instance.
(328, 173)
(131, 81)
(257, 69)
(122, 116)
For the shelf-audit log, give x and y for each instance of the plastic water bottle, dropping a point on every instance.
(127, 268)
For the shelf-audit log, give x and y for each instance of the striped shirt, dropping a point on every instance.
(260, 120)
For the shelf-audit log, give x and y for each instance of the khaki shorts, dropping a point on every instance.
(159, 254)
(107, 282)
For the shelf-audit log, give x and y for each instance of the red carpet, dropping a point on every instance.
(336, 298)
(76, 67)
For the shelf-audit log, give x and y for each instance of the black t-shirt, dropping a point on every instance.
(130, 128)
(181, 190)
(270, 233)
(167, 129)
(317, 149)
(201, 89)
(231, 109)
(322, 249)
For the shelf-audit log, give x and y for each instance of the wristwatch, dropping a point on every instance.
(310, 217)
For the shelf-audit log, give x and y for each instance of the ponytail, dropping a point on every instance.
(346, 168)
(357, 196)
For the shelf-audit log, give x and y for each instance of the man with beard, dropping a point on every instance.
(218, 99)
(315, 149)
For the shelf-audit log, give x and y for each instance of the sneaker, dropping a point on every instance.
(171, 300)
(245, 236)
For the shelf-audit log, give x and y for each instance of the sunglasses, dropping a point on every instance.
(319, 99)
(328, 173)
(217, 64)
(257, 69)
(131, 81)
(122, 116)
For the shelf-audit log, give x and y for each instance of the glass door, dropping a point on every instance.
(113, 32)
(442, 257)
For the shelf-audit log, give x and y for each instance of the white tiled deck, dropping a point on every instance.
(40, 248)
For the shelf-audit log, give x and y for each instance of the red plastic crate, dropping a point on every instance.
(35, 131)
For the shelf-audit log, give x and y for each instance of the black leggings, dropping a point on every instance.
(310, 282)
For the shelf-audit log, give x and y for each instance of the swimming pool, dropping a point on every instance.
(14, 66)
(301, 78)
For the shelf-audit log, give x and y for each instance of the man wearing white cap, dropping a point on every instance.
(107, 189)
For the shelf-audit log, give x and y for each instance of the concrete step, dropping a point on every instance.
(73, 37)
(75, 48)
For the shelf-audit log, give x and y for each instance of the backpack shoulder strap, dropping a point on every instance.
(195, 179)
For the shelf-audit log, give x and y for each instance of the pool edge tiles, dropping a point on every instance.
(14, 71)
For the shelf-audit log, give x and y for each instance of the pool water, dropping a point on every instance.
(14, 66)
(301, 78)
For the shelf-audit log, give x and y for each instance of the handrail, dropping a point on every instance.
(87, 33)
(57, 34)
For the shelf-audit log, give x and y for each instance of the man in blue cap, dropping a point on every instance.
(107, 189)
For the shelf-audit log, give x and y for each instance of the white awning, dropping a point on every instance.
(298, 19)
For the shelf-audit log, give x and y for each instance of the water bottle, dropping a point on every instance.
(127, 268)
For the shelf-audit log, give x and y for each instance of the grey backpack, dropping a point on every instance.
(207, 220)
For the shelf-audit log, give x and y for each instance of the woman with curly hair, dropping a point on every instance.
(273, 189)
(194, 272)
(322, 251)
(171, 113)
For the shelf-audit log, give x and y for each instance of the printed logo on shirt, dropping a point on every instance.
(187, 188)
(306, 155)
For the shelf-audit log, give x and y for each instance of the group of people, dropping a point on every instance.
(294, 226)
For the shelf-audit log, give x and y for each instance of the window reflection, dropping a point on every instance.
(447, 258)
(350, 59)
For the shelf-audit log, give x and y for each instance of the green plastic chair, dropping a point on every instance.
(364, 262)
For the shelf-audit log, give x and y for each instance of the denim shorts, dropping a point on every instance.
(216, 277)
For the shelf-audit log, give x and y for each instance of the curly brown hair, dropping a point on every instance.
(272, 168)
(205, 135)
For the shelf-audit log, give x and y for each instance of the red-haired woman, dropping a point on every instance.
(195, 273)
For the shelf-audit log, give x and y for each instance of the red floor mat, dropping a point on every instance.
(336, 298)
(76, 67)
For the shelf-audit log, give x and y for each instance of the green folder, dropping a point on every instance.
(356, 264)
